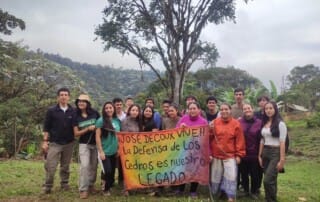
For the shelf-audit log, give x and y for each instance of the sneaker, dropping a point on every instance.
(107, 193)
(254, 196)
(193, 195)
(84, 194)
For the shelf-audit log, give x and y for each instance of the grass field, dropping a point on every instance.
(21, 180)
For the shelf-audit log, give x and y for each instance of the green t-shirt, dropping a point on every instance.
(110, 141)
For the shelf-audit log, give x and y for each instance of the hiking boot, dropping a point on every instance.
(46, 191)
(65, 187)
(93, 190)
(84, 194)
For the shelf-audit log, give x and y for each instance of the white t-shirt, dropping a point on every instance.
(268, 139)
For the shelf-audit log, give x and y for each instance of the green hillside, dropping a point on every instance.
(105, 82)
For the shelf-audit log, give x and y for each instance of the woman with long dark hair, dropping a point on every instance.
(107, 143)
(132, 123)
(272, 149)
(148, 124)
(84, 128)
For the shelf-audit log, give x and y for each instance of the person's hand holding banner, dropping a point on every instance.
(162, 158)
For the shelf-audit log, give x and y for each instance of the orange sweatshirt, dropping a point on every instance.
(227, 139)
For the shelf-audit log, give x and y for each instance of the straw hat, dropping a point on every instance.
(83, 97)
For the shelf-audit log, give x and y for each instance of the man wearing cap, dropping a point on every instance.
(84, 127)
(58, 141)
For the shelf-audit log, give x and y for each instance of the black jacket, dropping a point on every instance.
(59, 125)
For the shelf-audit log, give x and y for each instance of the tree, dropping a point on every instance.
(305, 85)
(300, 75)
(8, 22)
(28, 85)
(168, 30)
(230, 77)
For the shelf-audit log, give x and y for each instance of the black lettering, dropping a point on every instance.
(168, 178)
(194, 132)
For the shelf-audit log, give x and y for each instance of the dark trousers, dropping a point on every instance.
(270, 158)
(260, 176)
(120, 173)
(193, 187)
(109, 166)
(249, 170)
(239, 183)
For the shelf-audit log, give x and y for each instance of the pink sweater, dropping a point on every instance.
(192, 121)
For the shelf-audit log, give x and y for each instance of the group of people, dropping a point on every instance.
(244, 145)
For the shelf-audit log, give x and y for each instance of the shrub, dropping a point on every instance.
(314, 121)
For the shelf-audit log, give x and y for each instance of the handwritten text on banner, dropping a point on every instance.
(168, 157)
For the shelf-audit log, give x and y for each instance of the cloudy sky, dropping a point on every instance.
(269, 38)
